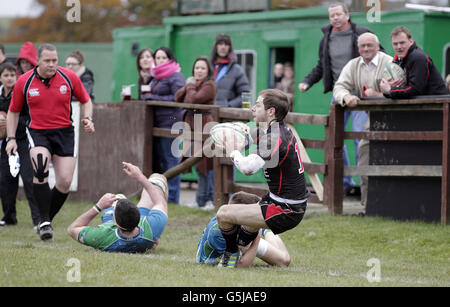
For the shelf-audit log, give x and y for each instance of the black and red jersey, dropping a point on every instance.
(283, 168)
(48, 100)
(422, 76)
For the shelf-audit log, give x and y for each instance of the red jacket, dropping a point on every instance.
(29, 53)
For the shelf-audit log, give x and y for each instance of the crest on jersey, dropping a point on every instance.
(63, 89)
(34, 92)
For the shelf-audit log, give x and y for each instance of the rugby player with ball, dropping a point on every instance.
(277, 153)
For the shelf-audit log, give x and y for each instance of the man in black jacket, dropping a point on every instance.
(422, 76)
(339, 45)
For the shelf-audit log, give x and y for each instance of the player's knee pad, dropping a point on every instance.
(245, 237)
(39, 167)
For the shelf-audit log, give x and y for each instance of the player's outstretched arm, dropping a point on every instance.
(83, 220)
(157, 198)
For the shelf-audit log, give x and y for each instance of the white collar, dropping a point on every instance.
(374, 61)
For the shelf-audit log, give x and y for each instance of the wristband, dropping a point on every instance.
(88, 118)
(97, 208)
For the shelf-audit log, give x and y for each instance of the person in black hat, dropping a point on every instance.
(230, 78)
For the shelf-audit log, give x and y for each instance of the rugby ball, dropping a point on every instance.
(231, 136)
(3, 130)
(393, 72)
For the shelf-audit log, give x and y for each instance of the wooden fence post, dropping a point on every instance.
(148, 141)
(335, 161)
(445, 199)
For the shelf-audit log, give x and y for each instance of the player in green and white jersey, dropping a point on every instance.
(126, 227)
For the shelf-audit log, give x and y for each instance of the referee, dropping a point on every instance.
(46, 92)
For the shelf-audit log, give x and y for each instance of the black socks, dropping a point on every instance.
(58, 200)
(49, 201)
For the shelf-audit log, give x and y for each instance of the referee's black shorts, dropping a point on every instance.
(280, 216)
(60, 142)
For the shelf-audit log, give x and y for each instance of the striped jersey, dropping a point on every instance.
(48, 100)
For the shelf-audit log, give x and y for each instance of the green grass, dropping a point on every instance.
(325, 251)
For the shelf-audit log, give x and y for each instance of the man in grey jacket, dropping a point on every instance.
(230, 77)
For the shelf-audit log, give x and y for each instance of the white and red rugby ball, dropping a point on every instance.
(234, 135)
(394, 72)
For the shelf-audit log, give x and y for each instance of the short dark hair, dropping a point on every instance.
(210, 75)
(242, 197)
(8, 66)
(46, 46)
(168, 52)
(275, 98)
(126, 215)
(401, 29)
(343, 5)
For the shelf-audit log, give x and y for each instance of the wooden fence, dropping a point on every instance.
(124, 132)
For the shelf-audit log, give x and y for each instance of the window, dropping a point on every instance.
(446, 60)
(247, 60)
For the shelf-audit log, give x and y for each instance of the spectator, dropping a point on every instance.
(229, 76)
(422, 76)
(359, 78)
(27, 58)
(338, 46)
(287, 84)
(166, 82)
(4, 59)
(278, 72)
(144, 63)
(9, 185)
(75, 62)
(200, 89)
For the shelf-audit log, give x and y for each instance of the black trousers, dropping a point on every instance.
(9, 185)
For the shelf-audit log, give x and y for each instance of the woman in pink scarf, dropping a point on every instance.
(167, 80)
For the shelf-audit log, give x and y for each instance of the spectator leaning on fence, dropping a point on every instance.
(360, 78)
(422, 76)
(230, 78)
(338, 46)
(200, 88)
(166, 82)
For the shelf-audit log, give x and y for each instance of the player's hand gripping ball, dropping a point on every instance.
(231, 136)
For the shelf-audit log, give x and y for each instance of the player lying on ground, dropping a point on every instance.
(278, 154)
(268, 246)
(126, 227)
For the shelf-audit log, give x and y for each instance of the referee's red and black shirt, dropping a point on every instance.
(49, 102)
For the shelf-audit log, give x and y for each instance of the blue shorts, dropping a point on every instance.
(155, 218)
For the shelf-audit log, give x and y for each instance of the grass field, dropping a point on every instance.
(325, 251)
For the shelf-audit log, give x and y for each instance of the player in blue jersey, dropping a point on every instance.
(267, 246)
(126, 227)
